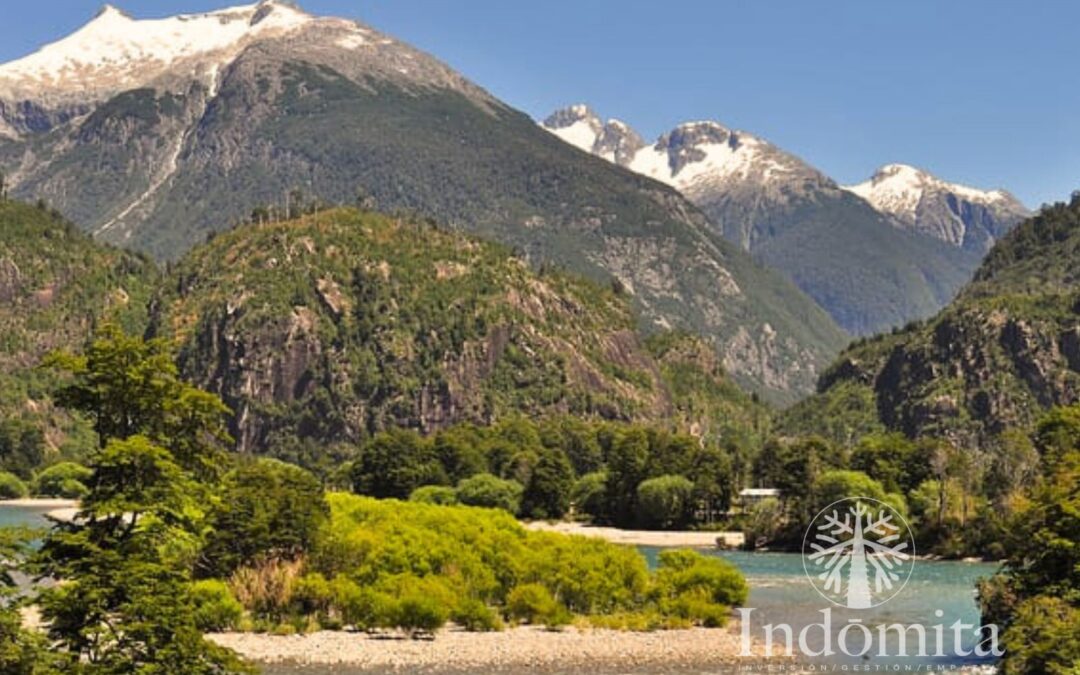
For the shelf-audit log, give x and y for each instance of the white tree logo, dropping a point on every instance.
(858, 552)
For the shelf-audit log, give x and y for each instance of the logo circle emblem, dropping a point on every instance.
(858, 552)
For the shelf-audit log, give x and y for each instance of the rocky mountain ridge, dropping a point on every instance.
(871, 270)
(328, 328)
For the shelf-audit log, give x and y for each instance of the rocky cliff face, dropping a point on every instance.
(1007, 349)
(330, 328)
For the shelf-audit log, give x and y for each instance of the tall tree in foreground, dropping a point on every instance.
(125, 560)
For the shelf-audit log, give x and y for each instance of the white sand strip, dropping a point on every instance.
(683, 538)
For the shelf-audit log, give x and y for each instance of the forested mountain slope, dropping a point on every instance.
(56, 284)
(333, 326)
(1006, 349)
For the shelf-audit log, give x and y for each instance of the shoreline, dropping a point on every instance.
(658, 538)
(41, 502)
(524, 647)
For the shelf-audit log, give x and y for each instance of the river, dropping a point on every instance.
(781, 593)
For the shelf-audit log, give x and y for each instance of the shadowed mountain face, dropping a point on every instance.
(179, 136)
(874, 256)
(1005, 350)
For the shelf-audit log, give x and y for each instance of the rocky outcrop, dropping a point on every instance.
(971, 373)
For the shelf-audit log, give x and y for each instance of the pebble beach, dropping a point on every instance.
(520, 649)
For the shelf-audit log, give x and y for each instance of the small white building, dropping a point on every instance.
(750, 496)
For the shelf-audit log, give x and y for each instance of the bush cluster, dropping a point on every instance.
(380, 564)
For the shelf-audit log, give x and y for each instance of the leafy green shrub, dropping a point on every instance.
(434, 494)
(558, 617)
(470, 563)
(1044, 637)
(215, 607)
(418, 612)
(531, 603)
(589, 494)
(698, 608)
(313, 593)
(590, 575)
(475, 616)
(664, 502)
(684, 571)
(11, 487)
(72, 489)
(65, 479)
(362, 606)
(491, 492)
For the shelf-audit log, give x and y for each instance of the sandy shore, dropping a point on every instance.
(41, 502)
(691, 539)
(515, 649)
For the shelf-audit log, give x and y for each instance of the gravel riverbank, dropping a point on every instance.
(531, 649)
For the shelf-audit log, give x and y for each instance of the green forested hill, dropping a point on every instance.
(1004, 350)
(55, 284)
(334, 326)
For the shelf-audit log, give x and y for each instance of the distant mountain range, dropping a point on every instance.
(874, 255)
(156, 134)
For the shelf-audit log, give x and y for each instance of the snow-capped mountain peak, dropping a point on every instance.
(581, 127)
(693, 156)
(114, 51)
(958, 214)
(898, 188)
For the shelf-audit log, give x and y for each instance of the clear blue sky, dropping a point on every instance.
(982, 92)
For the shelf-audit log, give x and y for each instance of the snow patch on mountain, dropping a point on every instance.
(692, 156)
(898, 189)
(958, 214)
(580, 134)
(114, 51)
